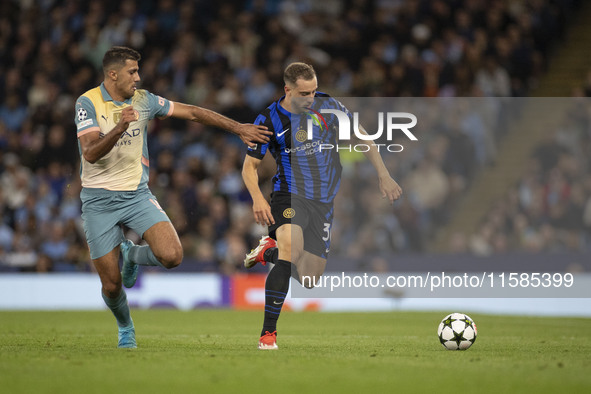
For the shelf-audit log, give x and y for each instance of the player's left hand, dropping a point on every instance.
(390, 188)
(252, 134)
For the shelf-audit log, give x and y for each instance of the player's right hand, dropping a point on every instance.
(262, 213)
(252, 134)
(128, 115)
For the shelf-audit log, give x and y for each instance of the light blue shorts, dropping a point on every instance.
(104, 211)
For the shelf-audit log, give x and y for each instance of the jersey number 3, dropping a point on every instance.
(327, 232)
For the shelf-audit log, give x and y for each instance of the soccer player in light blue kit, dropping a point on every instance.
(112, 121)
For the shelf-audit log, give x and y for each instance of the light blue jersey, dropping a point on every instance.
(115, 187)
(126, 166)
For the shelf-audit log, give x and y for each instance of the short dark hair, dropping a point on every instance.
(298, 70)
(118, 55)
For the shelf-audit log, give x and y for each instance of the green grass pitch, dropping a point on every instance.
(211, 351)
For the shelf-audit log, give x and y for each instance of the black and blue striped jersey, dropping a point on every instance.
(304, 168)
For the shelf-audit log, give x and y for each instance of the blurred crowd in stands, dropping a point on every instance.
(229, 56)
(549, 208)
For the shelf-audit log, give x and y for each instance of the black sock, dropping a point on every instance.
(271, 255)
(276, 288)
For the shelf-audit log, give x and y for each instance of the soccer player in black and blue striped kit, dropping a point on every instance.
(301, 211)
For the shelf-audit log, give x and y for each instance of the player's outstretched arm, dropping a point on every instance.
(260, 206)
(249, 134)
(94, 147)
(388, 186)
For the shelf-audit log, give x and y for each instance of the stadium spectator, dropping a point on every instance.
(13, 112)
(548, 209)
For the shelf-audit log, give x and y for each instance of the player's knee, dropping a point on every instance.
(112, 289)
(310, 277)
(310, 281)
(289, 253)
(172, 257)
(287, 250)
(296, 254)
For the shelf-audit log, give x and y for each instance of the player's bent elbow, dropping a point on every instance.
(89, 157)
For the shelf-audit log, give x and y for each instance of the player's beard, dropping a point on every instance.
(128, 91)
(132, 90)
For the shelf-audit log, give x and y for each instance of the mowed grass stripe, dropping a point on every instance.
(215, 351)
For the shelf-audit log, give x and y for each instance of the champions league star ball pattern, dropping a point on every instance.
(457, 331)
(82, 115)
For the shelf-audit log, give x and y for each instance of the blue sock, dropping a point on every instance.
(120, 308)
(143, 255)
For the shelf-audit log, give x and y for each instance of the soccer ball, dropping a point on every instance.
(457, 331)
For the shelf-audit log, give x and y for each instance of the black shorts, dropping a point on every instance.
(315, 219)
